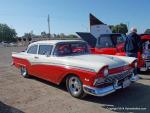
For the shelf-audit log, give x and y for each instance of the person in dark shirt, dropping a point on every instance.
(133, 44)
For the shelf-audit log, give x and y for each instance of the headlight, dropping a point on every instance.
(135, 64)
(105, 71)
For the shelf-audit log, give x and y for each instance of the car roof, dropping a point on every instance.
(53, 42)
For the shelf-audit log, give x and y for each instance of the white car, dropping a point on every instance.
(70, 61)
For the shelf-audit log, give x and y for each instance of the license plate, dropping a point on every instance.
(126, 83)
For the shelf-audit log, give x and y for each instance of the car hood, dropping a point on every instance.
(94, 62)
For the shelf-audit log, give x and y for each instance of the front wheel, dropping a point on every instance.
(75, 86)
(24, 72)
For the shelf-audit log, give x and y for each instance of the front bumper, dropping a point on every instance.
(107, 90)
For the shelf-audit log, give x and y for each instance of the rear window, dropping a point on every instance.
(66, 49)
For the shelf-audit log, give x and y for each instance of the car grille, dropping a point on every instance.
(118, 76)
(115, 77)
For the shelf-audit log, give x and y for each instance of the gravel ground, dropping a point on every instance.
(19, 95)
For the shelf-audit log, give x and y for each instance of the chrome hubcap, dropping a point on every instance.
(23, 71)
(74, 85)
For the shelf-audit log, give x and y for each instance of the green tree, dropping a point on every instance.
(28, 36)
(120, 28)
(147, 31)
(72, 36)
(43, 34)
(7, 33)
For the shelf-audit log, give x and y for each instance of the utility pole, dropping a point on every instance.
(128, 23)
(48, 20)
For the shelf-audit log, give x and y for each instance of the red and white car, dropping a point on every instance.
(70, 61)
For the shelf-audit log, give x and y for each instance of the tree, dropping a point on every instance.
(24, 39)
(27, 36)
(7, 33)
(72, 36)
(120, 28)
(19, 39)
(43, 34)
(147, 31)
(62, 35)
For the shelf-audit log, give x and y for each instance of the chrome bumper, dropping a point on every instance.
(106, 90)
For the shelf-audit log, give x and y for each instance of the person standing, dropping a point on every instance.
(133, 44)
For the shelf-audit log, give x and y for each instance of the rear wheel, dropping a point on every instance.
(75, 86)
(24, 72)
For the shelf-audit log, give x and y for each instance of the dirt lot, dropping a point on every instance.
(18, 95)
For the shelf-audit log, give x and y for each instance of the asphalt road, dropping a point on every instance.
(19, 95)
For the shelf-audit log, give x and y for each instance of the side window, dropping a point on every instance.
(45, 49)
(33, 49)
(105, 42)
(62, 50)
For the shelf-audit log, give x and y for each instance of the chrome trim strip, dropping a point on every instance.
(21, 64)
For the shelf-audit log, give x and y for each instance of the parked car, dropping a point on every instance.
(113, 44)
(70, 61)
(145, 55)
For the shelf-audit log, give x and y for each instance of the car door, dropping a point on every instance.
(32, 58)
(47, 67)
(105, 45)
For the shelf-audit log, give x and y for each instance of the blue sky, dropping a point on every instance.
(70, 16)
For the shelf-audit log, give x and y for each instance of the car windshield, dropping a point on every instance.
(111, 40)
(68, 49)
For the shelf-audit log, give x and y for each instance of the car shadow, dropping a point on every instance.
(132, 99)
(8, 109)
(61, 86)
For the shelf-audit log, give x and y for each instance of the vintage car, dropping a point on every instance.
(70, 61)
(145, 55)
(113, 44)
